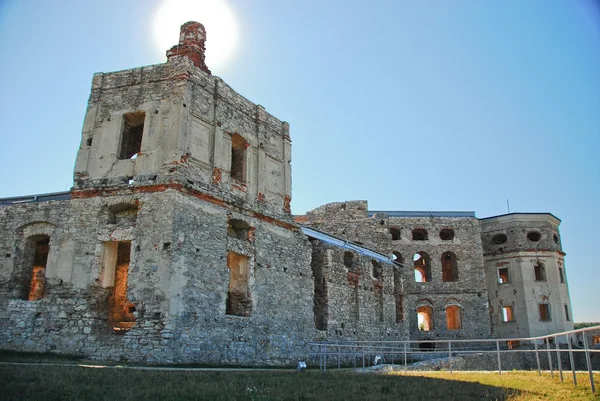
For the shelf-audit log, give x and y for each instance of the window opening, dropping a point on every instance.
(503, 277)
(37, 284)
(425, 318)
(453, 318)
(419, 234)
(447, 234)
(237, 229)
(449, 267)
(238, 157)
(539, 271)
(567, 317)
(499, 239)
(239, 302)
(116, 260)
(507, 314)
(513, 344)
(377, 270)
(534, 236)
(555, 237)
(422, 267)
(349, 260)
(561, 274)
(545, 312)
(595, 340)
(395, 233)
(131, 135)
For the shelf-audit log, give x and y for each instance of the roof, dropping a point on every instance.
(524, 214)
(36, 198)
(345, 244)
(403, 213)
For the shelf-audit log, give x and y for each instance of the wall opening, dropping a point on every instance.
(499, 239)
(425, 318)
(449, 267)
(36, 284)
(398, 293)
(447, 234)
(395, 231)
(419, 234)
(567, 315)
(122, 213)
(545, 312)
(115, 272)
(237, 229)
(238, 157)
(377, 270)
(131, 135)
(561, 274)
(422, 267)
(320, 300)
(349, 261)
(539, 272)
(503, 277)
(534, 236)
(507, 314)
(453, 318)
(239, 302)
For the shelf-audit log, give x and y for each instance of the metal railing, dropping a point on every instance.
(328, 352)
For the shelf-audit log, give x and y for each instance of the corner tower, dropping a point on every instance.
(526, 275)
(175, 125)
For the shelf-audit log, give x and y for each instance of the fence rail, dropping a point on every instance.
(327, 352)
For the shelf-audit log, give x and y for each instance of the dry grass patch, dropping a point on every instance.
(525, 385)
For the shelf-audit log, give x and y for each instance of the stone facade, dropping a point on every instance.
(177, 243)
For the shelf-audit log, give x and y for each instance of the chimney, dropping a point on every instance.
(192, 38)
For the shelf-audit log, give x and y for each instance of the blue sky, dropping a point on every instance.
(411, 105)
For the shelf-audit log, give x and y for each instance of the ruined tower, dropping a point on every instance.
(526, 275)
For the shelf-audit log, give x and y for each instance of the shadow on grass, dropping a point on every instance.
(66, 383)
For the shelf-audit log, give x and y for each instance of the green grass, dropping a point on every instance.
(78, 383)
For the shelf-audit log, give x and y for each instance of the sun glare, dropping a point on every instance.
(215, 15)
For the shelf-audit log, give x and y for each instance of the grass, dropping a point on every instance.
(78, 383)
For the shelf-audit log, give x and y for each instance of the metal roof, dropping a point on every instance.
(402, 213)
(36, 198)
(335, 241)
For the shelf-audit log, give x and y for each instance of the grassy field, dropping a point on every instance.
(78, 383)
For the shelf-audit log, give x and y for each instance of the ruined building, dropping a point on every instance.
(176, 243)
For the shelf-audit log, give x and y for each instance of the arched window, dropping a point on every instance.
(425, 318)
(447, 234)
(453, 317)
(422, 267)
(539, 272)
(238, 157)
(419, 234)
(39, 246)
(449, 267)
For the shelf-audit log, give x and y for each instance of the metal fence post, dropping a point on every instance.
(405, 357)
(363, 355)
(325, 360)
(572, 360)
(354, 348)
(588, 362)
(537, 357)
(549, 356)
(498, 351)
(450, 354)
(339, 354)
(558, 359)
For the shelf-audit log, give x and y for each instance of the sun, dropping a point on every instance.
(216, 16)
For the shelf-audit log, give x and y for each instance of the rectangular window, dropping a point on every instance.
(116, 257)
(507, 314)
(544, 312)
(239, 302)
(131, 135)
(503, 277)
(539, 272)
(238, 157)
(561, 274)
(567, 313)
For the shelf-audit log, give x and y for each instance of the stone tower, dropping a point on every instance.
(177, 126)
(526, 275)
